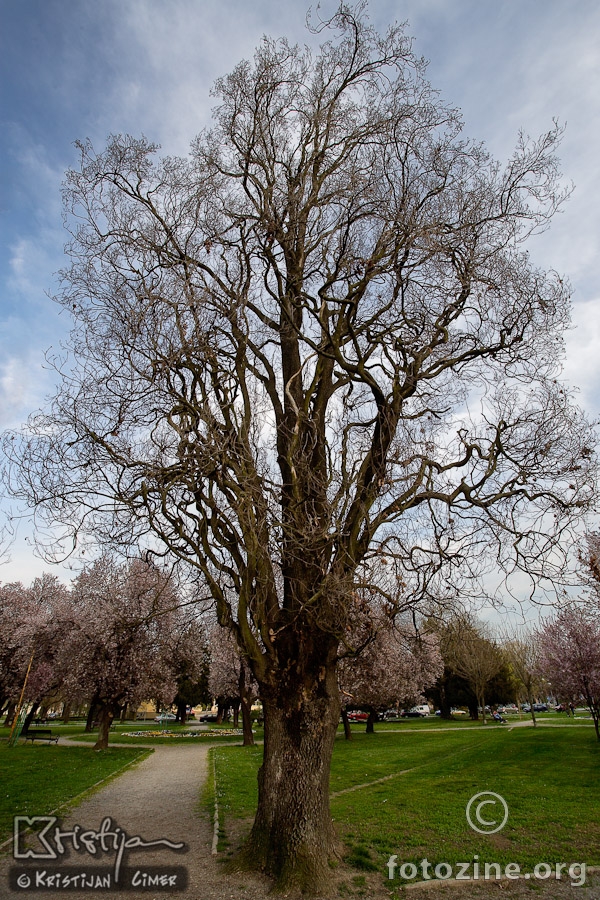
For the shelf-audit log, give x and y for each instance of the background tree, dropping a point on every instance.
(118, 650)
(189, 660)
(471, 653)
(569, 648)
(16, 645)
(34, 623)
(230, 679)
(521, 652)
(394, 668)
(315, 341)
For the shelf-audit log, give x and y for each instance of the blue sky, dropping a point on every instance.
(74, 70)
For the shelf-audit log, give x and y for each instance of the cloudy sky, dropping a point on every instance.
(80, 70)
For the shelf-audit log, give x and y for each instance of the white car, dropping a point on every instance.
(416, 711)
(165, 717)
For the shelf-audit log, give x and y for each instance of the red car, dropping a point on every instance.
(356, 716)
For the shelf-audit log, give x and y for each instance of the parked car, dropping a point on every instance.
(537, 707)
(357, 715)
(416, 712)
(165, 717)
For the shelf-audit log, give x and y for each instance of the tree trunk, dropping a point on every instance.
(10, 715)
(107, 715)
(371, 721)
(531, 709)
(481, 703)
(181, 713)
(66, 713)
(346, 723)
(236, 714)
(445, 705)
(30, 715)
(293, 838)
(89, 724)
(593, 708)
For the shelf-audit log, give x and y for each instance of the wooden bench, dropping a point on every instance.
(40, 734)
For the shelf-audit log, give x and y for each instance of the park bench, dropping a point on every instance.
(40, 734)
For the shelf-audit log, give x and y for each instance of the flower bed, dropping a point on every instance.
(222, 732)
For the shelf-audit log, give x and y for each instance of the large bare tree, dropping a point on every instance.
(314, 362)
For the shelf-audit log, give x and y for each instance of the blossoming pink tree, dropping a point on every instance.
(33, 621)
(15, 649)
(189, 659)
(118, 647)
(570, 657)
(394, 668)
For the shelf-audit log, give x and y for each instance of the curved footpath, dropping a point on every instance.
(156, 800)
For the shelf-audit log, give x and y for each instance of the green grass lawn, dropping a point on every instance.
(36, 779)
(549, 778)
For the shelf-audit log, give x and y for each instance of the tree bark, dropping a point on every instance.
(107, 715)
(66, 713)
(293, 838)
